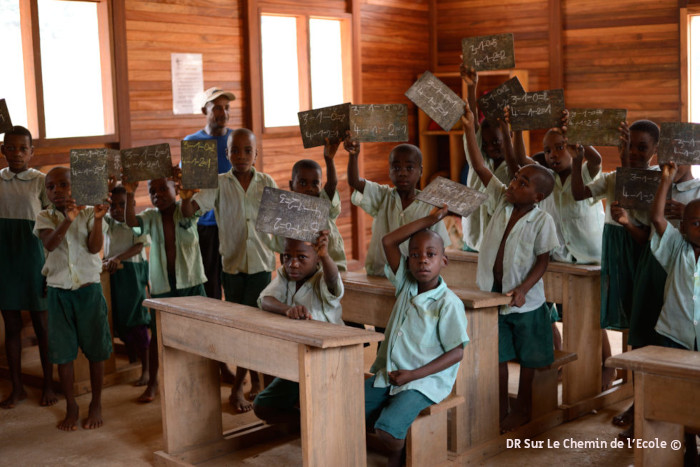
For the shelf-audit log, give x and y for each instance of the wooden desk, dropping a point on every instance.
(666, 395)
(327, 361)
(369, 300)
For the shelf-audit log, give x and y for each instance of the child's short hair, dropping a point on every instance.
(304, 164)
(408, 149)
(237, 131)
(431, 234)
(646, 126)
(19, 131)
(118, 190)
(544, 179)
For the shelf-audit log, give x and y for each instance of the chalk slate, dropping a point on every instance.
(494, 52)
(88, 172)
(437, 100)
(147, 162)
(459, 198)
(200, 164)
(114, 163)
(680, 143)
(595, 127)
(636, 188)
(379, 122)
(327, 122)
(5, 121)
(493, 102)
(537, 110)
(292, 215)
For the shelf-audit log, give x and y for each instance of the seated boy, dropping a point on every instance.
(513, 258)
(307, 286)
(73, 235)
(417, 363)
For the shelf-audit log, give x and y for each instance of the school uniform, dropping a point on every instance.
(77, 309)
(22, 196)
(336, 246)
(247, 257)
(383, 203)
(422, 327)
(524, 332)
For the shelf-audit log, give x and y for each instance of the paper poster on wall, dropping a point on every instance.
(188, 81)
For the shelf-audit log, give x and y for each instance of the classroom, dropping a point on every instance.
(274, 144)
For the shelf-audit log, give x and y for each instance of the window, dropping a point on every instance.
(59, 54)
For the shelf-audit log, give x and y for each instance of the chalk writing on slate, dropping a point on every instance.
(88, 172)
(636, 188)
(379, 122)
(680, 143)
(147, 162)
(292, 215)
(459, 198)
(537, 110)
(200, 164)
(494, 52)
(5, 121)
(437, 100)
(114, 163)
(492, 103)
(327, 122)
(595, 127)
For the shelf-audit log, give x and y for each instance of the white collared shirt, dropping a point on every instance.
(22, 195)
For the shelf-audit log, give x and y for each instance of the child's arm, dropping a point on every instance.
(476, 159)
(624, 148)
(392, 240)
(620, 215)
(51, 238)
(329, 151)
(578, 189)
(188, 206)
(668, 172)
(330, 269)
(96, 237)
(130, 212)
(593, 159)
(112, 264)
(352, 146)
(518, 294)
(471, 79)
(518, 158)
(446, 360)
(271, 304)
(510, 157)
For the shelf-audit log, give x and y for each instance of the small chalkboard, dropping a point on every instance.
(292, 215)
(200, 164)
(537, 110)
(636, 188)
(680, 143)
(492, 103)
(5, 121)
(459, 198)
(88, 173)
(147, 162)
(328, 122)
(595, 127)
(494, 52)
(437, 100)
(379, 122)
(114, 163)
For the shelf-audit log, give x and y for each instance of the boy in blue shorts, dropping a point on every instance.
(417, 363)
(73, 236)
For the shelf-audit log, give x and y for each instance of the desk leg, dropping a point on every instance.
(331, 390)
(190, 398)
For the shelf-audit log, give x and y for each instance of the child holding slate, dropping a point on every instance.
(513, 258)
(73, 236)
(22, 196)
(390, 207)
(417, 363)
(248, 260)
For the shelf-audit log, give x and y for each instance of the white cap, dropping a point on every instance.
(212, 94)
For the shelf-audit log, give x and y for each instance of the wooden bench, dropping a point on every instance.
(545, 385)
(426, 442)
(666, 395)
(194, 333)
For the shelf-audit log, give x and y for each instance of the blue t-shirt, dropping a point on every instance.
(224, 164)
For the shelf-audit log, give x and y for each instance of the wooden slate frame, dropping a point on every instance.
(636, 188)
(493, 102)
(537, 110)
(147, 162)
(679, 142)
(331, 122)
(486, 53)
(200, 163)
(292, 215)
(88, 172)
(595, 127)
(459, 198)
(437, 100)
(5, 120)
(379, 122)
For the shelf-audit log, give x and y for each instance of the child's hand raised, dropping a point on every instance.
(669, 170)
(351, 145)
(624, 147)
(674, 209)
(579, 152)
(130, 187)
(619, 214)
(111, 182)
(297, 312)
(467, 118)
(400, 377)
(71, 210)
(321, 245)
(329, 149)
(564, 121)
(437, 214)
(468, 74)
(186, 194)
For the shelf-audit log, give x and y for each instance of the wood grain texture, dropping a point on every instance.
(659, 360)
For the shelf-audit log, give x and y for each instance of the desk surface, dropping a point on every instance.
(233, 315)
(659, 360)
(568, 268)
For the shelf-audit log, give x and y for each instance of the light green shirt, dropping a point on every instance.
(579, 223)
(120, 237)
(243, 249)
(189, 270)
(383, 203)
(336, 246)
(22, 195)
(684, 192)
(70, 265)
(421, 328)
(313, 294)
(680, 316)
(533, 235)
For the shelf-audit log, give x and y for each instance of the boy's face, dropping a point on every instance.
(162, 192)
(690, 225)
(404, 170)
(306, 181)
(492, 143)
(118, 207)
(426, 257)
(58, 187)
(242, 152)
(523, 188)
(217, 112)
(642, 149)
(18, 150)
(556, 152)
(299, 259)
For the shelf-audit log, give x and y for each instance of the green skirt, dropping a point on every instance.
(21, 260)
(617, 269)
(128, 286)
(647, 300)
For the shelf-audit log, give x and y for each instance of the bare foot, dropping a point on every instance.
(608, 377)
(514, 420)
(48, 397)
(624, 418)
(94, 418)
(255, 389)
(14, 399)
(239, 402)
(226, 375)
(70, 423)
(143, 380)
(149, 394)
